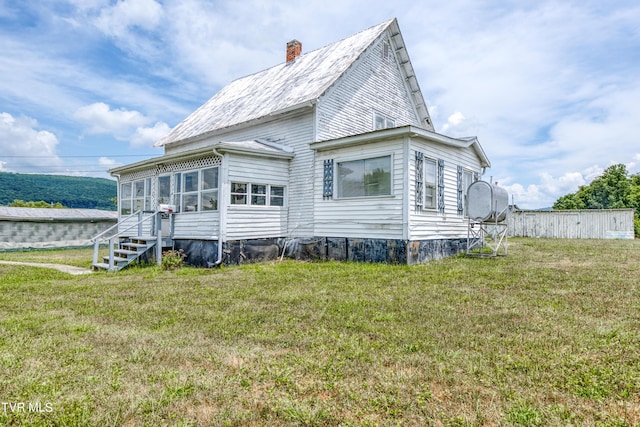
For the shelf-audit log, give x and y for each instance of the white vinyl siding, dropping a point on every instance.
(371, 85)
(371, 217)
(296, 132)
(260, 215)
(429, 223)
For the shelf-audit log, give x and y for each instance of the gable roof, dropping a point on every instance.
(289, 86)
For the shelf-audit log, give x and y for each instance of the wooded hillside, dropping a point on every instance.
(70, 191)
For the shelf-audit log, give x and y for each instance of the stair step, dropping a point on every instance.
(116, 259)
(144, 238)
(101, 266)
(125, 252)
(134, 245)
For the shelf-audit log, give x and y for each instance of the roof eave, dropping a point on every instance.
(223, 147)
(308, 104)
(155, 161)
(412, 131)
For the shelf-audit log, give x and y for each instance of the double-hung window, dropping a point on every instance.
(243, 193)
(430, 183)
(364, 178)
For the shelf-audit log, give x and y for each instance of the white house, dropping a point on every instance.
(331, 154)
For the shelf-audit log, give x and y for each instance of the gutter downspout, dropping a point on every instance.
(222, 205)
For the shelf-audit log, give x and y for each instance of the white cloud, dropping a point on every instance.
(117, 20)
(124, 125)
(454, 120)
(106, 162)
(24, 145)
(102, 119)
(149, 135)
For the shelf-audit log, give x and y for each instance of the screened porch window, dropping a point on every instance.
(164, 189)
(365, 178)
(199, 190)
(135, 196)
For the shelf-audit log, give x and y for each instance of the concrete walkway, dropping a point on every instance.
(64, 268)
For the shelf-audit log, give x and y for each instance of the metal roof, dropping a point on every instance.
(288, 86)
(49, 214)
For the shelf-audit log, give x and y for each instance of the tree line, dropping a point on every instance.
(614, 189)
(37, 190)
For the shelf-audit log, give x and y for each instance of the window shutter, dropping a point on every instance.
(460, 191)
(419, 180)
(327, 187)
(440, 185)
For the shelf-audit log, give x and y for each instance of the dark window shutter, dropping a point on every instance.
(419, 180)
(460, 190)
(440, 185)
(327, 187)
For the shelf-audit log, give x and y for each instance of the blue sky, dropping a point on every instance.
(551, 88)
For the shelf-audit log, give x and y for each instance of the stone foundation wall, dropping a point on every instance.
(205, 253)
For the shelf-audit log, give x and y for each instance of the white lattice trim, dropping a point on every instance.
(201, 163)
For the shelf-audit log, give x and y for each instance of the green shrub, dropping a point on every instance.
(173, 259)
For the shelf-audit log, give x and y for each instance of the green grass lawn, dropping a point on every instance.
(549, 335)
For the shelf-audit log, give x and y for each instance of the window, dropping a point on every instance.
(430, 180)
(385, 51)
(199, 190)
(164, 189)
(135, 196)
(258, 195)
(125, 198)
(209, 188)
(276, 196)
(190, 191)
(238, 193)
(243, 193)
(381, 121)
(363, 178)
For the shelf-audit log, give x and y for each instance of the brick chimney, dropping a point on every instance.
(294, 49)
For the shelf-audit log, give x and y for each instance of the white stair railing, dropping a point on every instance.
(114, 239)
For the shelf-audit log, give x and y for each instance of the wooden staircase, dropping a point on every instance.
(129, 250)
(137, 236)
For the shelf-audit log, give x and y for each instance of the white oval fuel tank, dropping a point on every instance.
(487, 202)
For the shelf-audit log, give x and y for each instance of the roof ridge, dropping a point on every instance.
(384, 24)
(276, 88)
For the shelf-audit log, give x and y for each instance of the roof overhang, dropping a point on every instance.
(401, 132)
(298, 109)
(256, 148)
